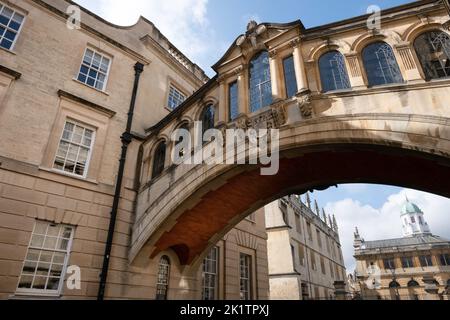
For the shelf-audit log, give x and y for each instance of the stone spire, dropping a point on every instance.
(308, 200)
(335, 226)
(324, 216)
(316, 205)
(357, 242)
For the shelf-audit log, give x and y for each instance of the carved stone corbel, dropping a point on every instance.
(305, 104)
(446, 25)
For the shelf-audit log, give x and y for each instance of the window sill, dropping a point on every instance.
(68, 175)
(34, 296)
(87, 86)
(349, 90)
(170, 110)
(8, 51)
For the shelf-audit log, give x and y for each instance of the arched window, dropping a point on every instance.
(394, 284)
(162, 285)
(333, 72)
(413, 283)
(381, 65)
(260, 82)
(159, 159)
(183, 152)
(207, 118)
(433, 51)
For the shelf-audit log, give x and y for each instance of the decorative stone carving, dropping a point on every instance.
(253, 32)
(446, 25)
(294, 43)
(271, 119)
(304, 103)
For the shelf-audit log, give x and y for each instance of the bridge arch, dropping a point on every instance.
(189, 208)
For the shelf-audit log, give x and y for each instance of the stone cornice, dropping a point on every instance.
(92, 105)
(16, 75)
(91, 30)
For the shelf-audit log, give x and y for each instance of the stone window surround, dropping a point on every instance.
(103, 54)
(47, 293)
(84, 114)
(253, 275)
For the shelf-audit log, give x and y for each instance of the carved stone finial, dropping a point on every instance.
(251, 25)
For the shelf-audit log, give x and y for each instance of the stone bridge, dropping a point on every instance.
(352, 105)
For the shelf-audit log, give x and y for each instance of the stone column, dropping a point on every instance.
(222, 107)
(242, 91)
(355, 72)
(299, 65)
(275, 75)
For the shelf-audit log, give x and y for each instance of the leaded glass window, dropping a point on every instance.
(207, 117)
(381, 65)
(162, 285)
(233, 96)
(94, 69)
(46, 260)
(333, 72)
(289, 77)
(159, 159)
(210, 275)
(10, 24)
(433, 51)
(74, 150)
(260, 82)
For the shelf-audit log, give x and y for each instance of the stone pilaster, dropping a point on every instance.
(411, 71)
(355, 72)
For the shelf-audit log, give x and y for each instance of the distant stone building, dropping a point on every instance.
(305, 255)
(415, 267)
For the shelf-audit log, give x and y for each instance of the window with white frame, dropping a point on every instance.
(176, 97)
(46, 260)
(245, 263)
(210, 275)
(94, 69)
(10, 24)
(74, 149)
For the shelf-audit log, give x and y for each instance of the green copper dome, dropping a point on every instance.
(410, 207)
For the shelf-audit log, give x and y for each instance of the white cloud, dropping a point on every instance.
(385, 223)
(184, 22)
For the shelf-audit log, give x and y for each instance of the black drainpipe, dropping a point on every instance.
(126, 138)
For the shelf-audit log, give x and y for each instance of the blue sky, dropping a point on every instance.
(208, 27)
(204, 29)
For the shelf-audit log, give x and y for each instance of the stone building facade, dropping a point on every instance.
(305, 254)
(339, 93)
(415, 267)
(64, 98)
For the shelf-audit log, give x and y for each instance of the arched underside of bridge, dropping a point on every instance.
(301, 170)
